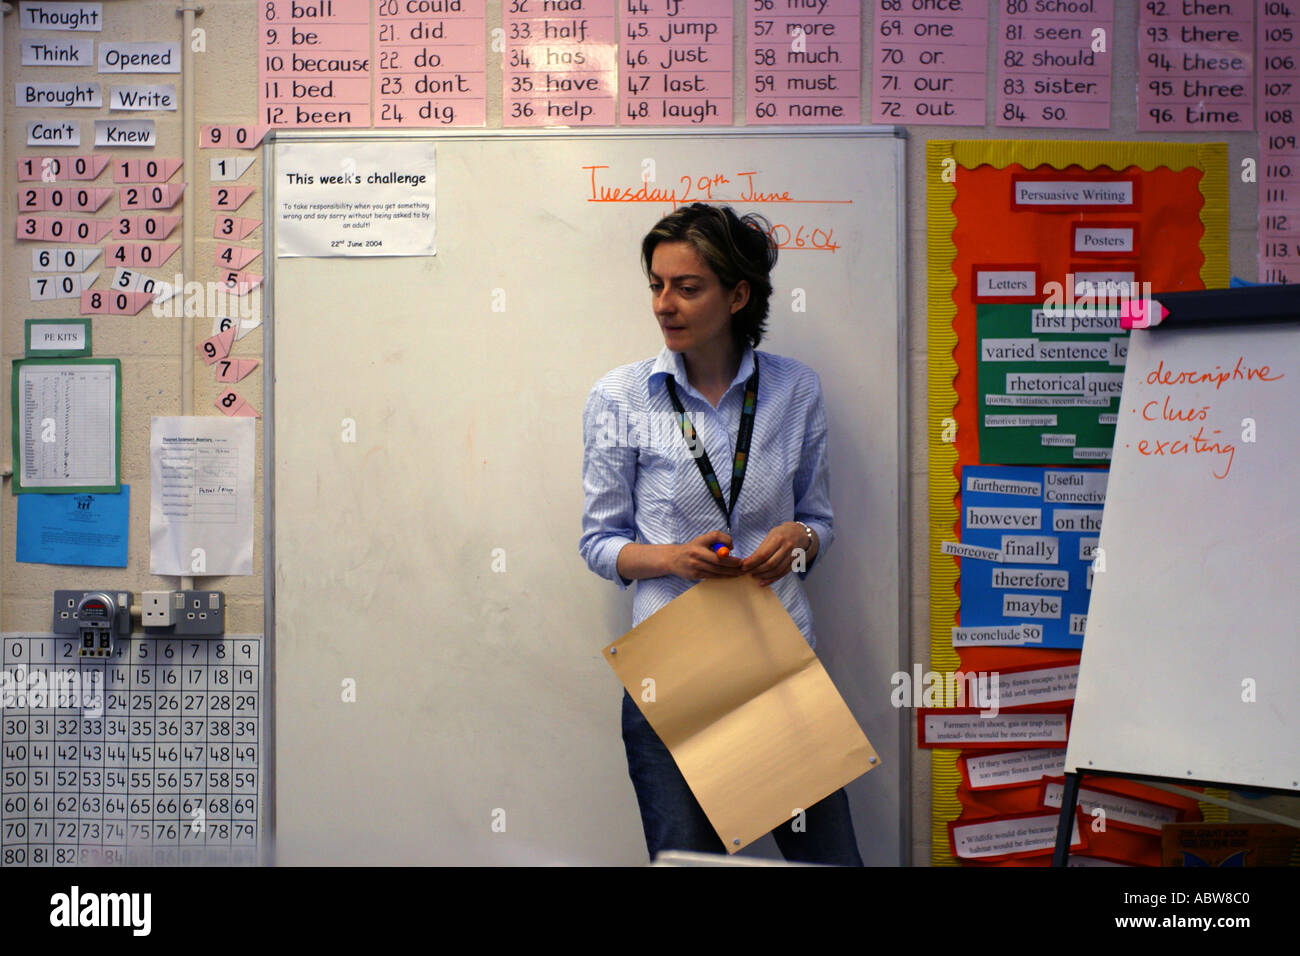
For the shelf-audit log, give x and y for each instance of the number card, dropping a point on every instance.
(64, 259)
(60, 286)
(140, 254)
(242, 283)
(231, 136)
(131, 281)
(43, 198)
(145, 170)
(217, 347)
(232, 370)
(114, 303)
(159, 196)
(146, 227)
(220, 323)
(232, 404)
(45, 229)
(229, 198)
(234, 227)
(228, 168)
(236, 257)
(151, 757)
(54, 168)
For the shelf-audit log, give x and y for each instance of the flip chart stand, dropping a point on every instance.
(1238, 307)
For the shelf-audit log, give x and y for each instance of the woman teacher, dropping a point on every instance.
(655, 511)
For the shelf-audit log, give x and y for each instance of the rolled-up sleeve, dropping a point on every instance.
(608, 477)
(812, 490)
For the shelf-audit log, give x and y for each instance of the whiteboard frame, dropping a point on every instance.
(903, 359)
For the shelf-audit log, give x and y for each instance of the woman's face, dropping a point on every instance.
(690, 302)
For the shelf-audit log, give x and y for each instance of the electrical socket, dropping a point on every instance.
(156, 609)
(198, 613)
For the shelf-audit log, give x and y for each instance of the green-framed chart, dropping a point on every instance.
(67, 425)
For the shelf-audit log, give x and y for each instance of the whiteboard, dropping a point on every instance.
(1195, 613)
(485, 727)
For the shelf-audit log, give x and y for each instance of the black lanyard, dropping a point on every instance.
(742, 443)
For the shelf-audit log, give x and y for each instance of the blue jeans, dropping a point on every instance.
(673, 820)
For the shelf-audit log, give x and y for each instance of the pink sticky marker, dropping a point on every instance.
(1133, 314)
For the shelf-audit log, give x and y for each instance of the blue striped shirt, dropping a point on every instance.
(642, 485)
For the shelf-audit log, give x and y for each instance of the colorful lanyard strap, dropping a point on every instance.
(742, 443)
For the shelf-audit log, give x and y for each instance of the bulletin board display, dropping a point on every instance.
(1032, 248)
(153, 756)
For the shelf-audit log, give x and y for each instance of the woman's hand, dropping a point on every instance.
(775, 556)
(696, 559)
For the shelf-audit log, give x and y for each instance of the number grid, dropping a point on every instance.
(151, 757)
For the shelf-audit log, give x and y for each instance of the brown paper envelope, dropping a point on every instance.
(742, 703)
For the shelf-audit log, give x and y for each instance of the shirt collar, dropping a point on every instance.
(672, 363)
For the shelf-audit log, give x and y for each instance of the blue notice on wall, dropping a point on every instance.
(1045, 523)
(82, 529)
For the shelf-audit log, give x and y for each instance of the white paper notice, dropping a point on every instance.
(124, 133)
(73, 51)
(1020, 836)
(368, 200)
(58, 95)
(61, 16)
(201, 506)
(47, 337)
(139, 57)
(159, 97)
(53, 133)
(972, 730)
(1009, 769)
(1131, 810)
(67, 425)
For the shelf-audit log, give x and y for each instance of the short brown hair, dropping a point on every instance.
(735, 247)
